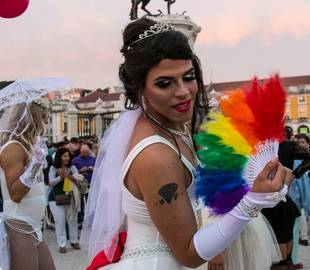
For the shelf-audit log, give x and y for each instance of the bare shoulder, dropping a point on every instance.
(158, 154)
(13, 154)
(157, 166)
(156, 161)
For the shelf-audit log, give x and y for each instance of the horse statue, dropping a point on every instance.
(169, 3)
(136, 3)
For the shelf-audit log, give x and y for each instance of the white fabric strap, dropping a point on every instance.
(144, 144)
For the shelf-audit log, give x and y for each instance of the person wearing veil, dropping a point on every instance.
(22, 157)
(142, 191)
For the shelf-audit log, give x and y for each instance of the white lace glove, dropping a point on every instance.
(215, 237)
(38, 161)
(252, 203)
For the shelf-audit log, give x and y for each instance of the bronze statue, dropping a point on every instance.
(136, 3)
(169, 3)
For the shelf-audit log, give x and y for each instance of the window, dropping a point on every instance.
(86, 125)
(301, 89)
(303, 130)
(303, 113)
(65, 130)
(301, 99)
(290, 129)
(293, 89)
(107, 118)
(288, 112)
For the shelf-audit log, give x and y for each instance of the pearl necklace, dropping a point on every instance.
(185, 135)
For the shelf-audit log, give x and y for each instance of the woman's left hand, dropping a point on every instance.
(217, 263)
(72, 179)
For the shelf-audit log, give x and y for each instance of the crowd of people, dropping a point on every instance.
(71, 161)
(141, 211)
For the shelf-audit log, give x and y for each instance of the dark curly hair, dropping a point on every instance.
(141, 56)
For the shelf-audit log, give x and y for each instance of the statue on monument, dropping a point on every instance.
(136, 3)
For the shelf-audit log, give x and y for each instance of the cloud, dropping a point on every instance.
(80, 39)
(76, 39)
(229, 25)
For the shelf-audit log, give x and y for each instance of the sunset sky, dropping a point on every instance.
(80, 39)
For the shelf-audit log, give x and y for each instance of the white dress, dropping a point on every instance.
(31, 208)
(256, 248)
(145, 249)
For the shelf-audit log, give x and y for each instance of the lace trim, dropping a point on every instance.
(147, 251)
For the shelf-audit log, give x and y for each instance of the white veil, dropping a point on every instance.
(14, 121)
(16, 99)
(104, 214)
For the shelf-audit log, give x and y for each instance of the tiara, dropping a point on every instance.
(155, 29)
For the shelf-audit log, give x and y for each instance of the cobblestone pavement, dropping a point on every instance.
(304, 257)
(77, 259)
(72, 260)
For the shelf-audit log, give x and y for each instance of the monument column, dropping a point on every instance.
(183, 23)
(72, 121)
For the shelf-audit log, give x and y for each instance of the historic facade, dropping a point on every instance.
(298, 103)
(84, 113)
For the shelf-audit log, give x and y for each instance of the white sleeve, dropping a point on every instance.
(52, 179)
(214, 238)
(74, 170)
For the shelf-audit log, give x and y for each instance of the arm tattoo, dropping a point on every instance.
(168, 193)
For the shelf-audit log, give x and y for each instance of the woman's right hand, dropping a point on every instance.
(272, 178)
(62, 173)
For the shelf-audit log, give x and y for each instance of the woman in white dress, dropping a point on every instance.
(22, 156)
(143, 178)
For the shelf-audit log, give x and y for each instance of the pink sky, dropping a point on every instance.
(80, 39)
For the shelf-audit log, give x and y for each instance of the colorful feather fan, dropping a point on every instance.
(236, 144)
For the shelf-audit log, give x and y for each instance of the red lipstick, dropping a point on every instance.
(183, 106)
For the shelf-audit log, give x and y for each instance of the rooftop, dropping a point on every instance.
(287, 81)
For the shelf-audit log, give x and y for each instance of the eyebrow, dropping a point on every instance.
(169, 77)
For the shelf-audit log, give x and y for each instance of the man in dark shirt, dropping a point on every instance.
(85, 163)
(282, 217)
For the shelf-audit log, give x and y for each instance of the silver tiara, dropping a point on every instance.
(155, 29)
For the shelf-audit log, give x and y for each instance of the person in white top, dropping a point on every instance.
(143, 177)
(64, 212)
(22, 156)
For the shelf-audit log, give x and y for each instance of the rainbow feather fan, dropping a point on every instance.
(238, 142)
